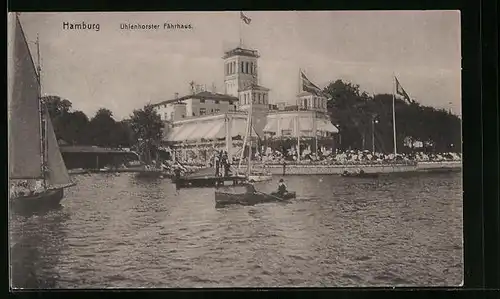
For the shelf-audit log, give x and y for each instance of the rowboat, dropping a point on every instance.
(360, 175)
(245, 195)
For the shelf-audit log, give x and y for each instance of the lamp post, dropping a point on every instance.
(374, 121)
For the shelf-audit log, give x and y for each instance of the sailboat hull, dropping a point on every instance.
(41, 201)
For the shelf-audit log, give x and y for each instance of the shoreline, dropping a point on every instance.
(324, 169)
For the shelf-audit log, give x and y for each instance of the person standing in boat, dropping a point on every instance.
(217, 163)
(226, 164)
(282, 188)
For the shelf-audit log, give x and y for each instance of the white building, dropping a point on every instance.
(205, 121)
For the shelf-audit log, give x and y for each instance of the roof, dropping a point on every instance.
(204, 95)
(254, 87)
(241, 52)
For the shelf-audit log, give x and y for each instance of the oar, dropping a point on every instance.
(279, 198)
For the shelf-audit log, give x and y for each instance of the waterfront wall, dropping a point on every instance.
(297, 169)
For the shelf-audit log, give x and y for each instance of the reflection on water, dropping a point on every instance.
(118, 231)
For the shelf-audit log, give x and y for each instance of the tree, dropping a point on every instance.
(56, 105)
(147, 128)
(102, 129)
(72, 127)
(353, 111)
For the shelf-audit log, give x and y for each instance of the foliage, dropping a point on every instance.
(75, 128)
(358, 115)
(147, 128)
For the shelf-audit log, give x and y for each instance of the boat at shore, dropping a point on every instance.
(257, 176)
(360, 174)
(37, 172)
(246, 195)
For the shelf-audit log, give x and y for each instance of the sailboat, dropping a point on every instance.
(37, 173)
(251, 175)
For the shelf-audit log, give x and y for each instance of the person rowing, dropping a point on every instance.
(282, 188)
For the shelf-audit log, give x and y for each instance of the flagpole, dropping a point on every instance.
(394, 115)
(297, 120)
(240, 29)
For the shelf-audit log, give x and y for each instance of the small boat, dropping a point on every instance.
(288, 195)
(360, 175)
(37, 172)
(256, 176)
(150, 172)
(244, 195)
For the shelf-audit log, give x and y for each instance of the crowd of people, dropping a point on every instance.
(326, 157)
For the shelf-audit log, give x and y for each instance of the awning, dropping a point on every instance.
(305, 124)
(202, 130)
(239, 126)
(185, 132)
(217, 131)
(326, 126)
(172, 132)
(287, 123)
(271, 126)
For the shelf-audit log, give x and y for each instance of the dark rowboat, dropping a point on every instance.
(245, 195)
(360, 175)
(288, 195)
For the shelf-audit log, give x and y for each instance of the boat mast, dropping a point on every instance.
(297, 118)
(250, 137)
(394, 115)
(43, 121)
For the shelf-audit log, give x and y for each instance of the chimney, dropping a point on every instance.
(176, 95)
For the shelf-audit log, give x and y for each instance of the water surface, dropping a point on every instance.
(118, 231)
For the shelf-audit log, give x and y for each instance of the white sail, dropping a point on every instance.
(24, 134)
(57, 174)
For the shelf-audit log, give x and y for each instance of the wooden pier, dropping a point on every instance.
(207, 178)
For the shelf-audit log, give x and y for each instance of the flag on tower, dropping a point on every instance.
(400, 91)
(245, 19)
(308, 86)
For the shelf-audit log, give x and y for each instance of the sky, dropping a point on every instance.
(123, 70)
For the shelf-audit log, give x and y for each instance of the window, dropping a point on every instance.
(183, 116)
(203, 111)
(259, 101)
(217, 110)
(230, 102)
(171, 115)
(216, 101)
(165, 116)
(246, 67)
(234, 66)
(241, 67)
(202, 100)
(212, 111)
(253, 98)
(251, 67)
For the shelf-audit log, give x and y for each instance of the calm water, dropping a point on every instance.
(117, 231)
